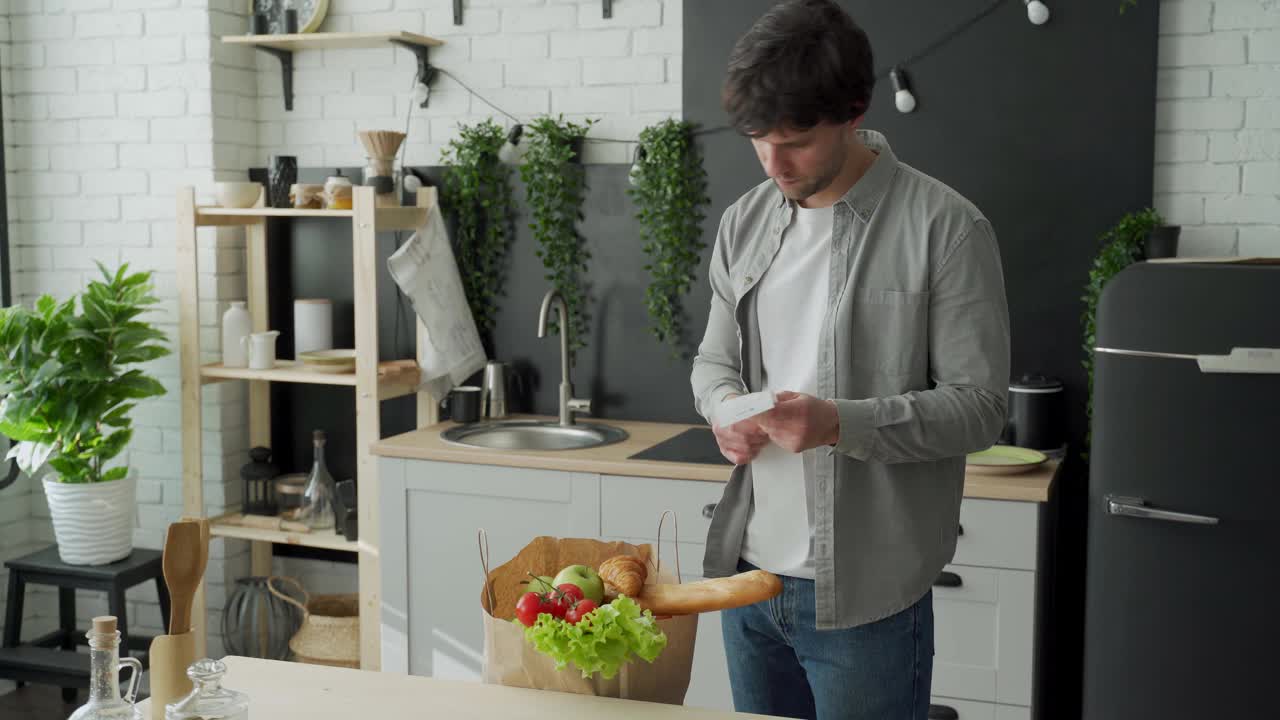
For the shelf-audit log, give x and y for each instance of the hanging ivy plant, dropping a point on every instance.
(555, 182)
(477, 190)
(669, 189)
(1121, 246)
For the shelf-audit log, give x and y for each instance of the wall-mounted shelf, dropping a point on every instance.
(282, 47)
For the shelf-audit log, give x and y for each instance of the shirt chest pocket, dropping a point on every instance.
(890, 331)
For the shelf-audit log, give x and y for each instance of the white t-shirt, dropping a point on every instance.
(792, 302)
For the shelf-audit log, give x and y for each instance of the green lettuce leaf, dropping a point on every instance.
(603, 641)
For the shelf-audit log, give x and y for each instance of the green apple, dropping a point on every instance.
(586, 578)
(541, 584)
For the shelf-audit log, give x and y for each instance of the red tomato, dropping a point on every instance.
(529, 606)
(579, 611)
(570, 592)
(558, 606)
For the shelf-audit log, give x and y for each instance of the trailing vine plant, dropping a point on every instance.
(477, 190)
(555, 182)
(670, 190)
(1121, 246)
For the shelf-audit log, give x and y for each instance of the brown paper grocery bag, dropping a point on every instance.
(510, 660)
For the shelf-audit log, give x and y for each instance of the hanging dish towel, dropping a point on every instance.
(425, 270)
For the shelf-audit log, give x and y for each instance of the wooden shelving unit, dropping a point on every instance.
(372, 381)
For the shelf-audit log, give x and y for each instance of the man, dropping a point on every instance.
(868, 298)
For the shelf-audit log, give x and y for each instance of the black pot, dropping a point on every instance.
(1162, 242)
(1036, 414)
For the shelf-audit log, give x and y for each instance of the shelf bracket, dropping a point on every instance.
(607, 8)
(457, 12)
(426, 73)
(286, 71)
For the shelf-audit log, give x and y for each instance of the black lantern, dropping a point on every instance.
(259, 491)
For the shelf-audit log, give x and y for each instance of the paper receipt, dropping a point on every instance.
(744, 406)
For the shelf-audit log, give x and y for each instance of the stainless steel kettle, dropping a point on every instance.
(493, 393)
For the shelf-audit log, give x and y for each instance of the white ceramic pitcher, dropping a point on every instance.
(261, 348)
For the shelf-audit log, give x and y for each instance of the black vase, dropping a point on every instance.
(256, 623)
(1162, 242)
(280, 176)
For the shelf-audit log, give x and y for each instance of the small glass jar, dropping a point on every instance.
(208, 699)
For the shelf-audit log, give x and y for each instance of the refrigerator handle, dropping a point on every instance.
(1253, 361)
(1138, 508)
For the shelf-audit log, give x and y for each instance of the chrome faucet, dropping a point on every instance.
(569, 405)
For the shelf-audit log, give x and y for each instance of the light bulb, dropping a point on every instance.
(637, 166)
(902, 97)
(412, 183)
(421, 92)
(1037, 12)
(509, 153)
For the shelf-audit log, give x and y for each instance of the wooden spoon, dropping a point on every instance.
(182, 572)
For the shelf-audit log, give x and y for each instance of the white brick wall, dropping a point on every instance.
(529, 57)
(1217, 167)
(108, 109)
(111, 104)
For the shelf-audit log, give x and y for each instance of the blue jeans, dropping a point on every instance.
(780, 664)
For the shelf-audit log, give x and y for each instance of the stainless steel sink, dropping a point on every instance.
(533, 435)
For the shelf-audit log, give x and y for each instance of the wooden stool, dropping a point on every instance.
(46, 659)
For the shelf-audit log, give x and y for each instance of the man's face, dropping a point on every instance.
(804, 162)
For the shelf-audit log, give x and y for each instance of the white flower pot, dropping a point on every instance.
(93, 522)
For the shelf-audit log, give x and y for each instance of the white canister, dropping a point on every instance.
(312, 325)
(235, 325)
(261, 348)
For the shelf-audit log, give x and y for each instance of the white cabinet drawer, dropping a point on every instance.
(945, 708)
(631, 506)
(998, 534)
(983, 635)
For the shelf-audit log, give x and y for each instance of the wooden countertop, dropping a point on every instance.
(292, 691)
(426, 444)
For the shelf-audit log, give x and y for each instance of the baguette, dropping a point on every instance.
(710, 595)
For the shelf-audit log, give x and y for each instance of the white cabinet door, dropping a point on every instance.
(709, 683)
(441, 507)
(983, 633)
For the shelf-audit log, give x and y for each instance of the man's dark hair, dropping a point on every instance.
(802, 63)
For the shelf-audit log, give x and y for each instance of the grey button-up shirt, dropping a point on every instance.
(914, 351)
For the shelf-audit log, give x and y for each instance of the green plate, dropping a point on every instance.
(1005, 460)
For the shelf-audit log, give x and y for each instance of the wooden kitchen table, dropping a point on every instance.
(292, 691)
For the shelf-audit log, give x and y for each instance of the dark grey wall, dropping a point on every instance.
(626, 371)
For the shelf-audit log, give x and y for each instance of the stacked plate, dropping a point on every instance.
(329, 361)
(1005, 460)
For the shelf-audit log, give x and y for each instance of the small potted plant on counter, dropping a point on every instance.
(68, 392)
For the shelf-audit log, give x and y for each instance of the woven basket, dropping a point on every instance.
(330, 632)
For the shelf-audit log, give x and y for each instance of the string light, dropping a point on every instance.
(509, 152)
(902, 96)
(1037, 12)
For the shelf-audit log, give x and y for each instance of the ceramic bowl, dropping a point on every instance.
(237, 194)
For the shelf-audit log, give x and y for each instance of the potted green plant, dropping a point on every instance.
(69, 390)
(669, 187)
(555, 184)
(1120, 247)
(477, 191)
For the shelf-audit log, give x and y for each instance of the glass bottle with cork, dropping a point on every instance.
(317, 501)
(105, 702)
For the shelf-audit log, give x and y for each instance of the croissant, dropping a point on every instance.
(623, 575)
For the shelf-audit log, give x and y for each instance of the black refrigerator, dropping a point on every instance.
(1181, 614)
